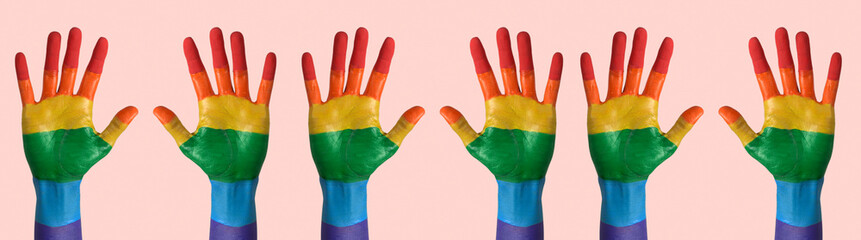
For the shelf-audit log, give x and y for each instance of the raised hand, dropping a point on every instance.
(519, 133)
(347, 141)
(625, 140)
(60, 141)
(797, 135)
(232, 133)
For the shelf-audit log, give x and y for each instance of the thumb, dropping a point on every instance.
(737, 123)
(684, 124)
(458, 124)
(405, 124)
(171, 123)
(118, 124)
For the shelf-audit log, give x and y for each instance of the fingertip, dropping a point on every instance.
(237, 48)
(784, 54)
(192, 56)
(757, 55)
(665, 53)
(360, 48)
(384, 60)
(163, 114)
(586, 67)
(269, 66)
(802, 43)
(127, 114)
(638, 49)
(479, 57)
(339, 52)
(215, 32)
(97, 62)
(73, 48)
(450, 114)
(308, 67)
(21, 67)
(556, 67)
(617, 59)
(836, 66)
(729, 114)
(693, 114)
(414, 114)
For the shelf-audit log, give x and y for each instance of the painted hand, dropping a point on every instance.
(232, 132)
(347, 141)
(60, 141)
(519, 133)
(797, 135)
(625, 140)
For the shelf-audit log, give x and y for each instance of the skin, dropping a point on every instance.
(625, 140)
(60, 140)
(347, 141)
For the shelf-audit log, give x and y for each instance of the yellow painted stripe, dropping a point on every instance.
(797, 112)
(113, 131)
(678, 131)
(743, 131)
(519, 112)
(464, 131)
(232, 112)
(345, 112)
(399, 132)
(177, 131)
(624, 112)
(58, 112)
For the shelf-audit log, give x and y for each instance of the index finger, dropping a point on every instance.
(195, 67)
(482, 68)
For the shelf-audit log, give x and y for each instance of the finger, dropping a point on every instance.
(617, 62)
(635, 64)
(311, 88)
(240, 67)
(381, 70)
(805, 65)
(527, 69)
(482, 67)
(118, 124)
(458, 124)
(405, 124)
(737, 124)
(172, 124)
(52, 59)
(357, 62)
(195, 67)
(336, 76)
(830, 94)
(506, 62)
(763, 72)
(90, 81)
(784, 61)
(659, 70)
(684, 124)
(70, 63)
(589, 83)
(264, 93)
(219, 62)
(552, 90)
(24, 86)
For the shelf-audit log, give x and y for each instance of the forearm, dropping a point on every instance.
(520, 215)
(234, 215)
(623, 210)
(58, 210)
(799, 214)
(345, 211)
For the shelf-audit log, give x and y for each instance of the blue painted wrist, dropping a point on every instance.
(57, 204)
(233, 203)
(344, 204)
(798, 203)
(520, 203)
(623, 204)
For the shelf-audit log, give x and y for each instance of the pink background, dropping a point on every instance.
(432, 188)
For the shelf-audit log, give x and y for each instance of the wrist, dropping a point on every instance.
(344, 204)
(798, 203)
(622, 203)
(233, 203)
(57, 204)
(519, 204)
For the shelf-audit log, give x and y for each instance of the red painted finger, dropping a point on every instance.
(552, 90)
(240, 67)
(219, 62)
(24, 86)
(805, 65)
(635, 64)
(311, 87)
(52, 59)
(339, 56)
(617, 63)
(70, 63)
(763, 73)
(589, 83)
(830, 94)
(482, 67)
(195, 67)
(659, 70)
(357, 63)
(784, 61)
(90, 81)
(506, 62)
(527, 69)
(381, 70)
(264, 93)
